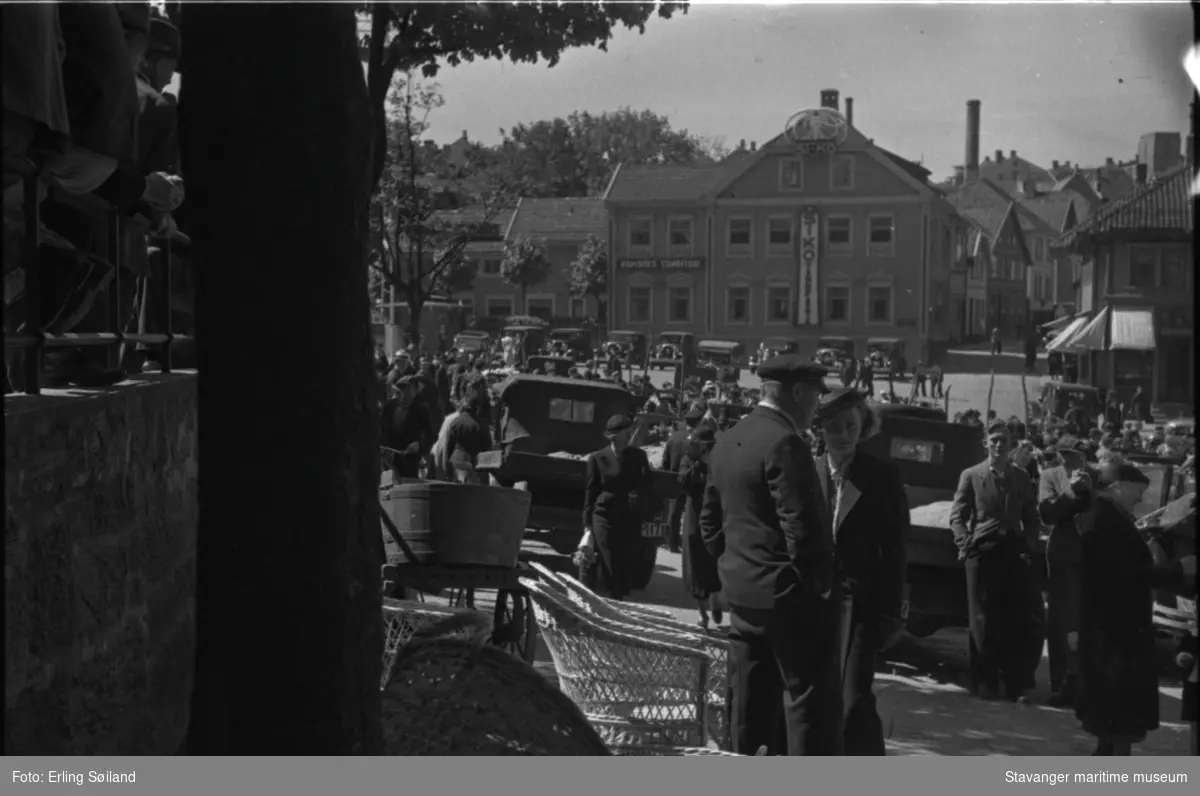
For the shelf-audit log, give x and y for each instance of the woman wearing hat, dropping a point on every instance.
(699, 567)
(1117, 700)
(616, 500)
(870, 525)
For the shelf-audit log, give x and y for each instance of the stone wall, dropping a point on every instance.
(100, 568)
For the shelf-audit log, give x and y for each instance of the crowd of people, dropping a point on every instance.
(795, 531)
(85, 112)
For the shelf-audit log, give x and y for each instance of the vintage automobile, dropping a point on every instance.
(772, 347)
(630, 345)
(576, 341)
(1056, 398)
(534, 336)
(550, 365)
(472, 342)
(833, 351)
(545, 428)
(886, 351)
(711, 355)
(674, 350)
(930, 455)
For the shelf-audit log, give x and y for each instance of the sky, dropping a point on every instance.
(1072, 82)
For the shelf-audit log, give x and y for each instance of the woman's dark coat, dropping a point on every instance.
(700, 575)
(617, 494)
(1118, 675)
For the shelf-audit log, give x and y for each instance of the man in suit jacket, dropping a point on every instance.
(995, 523)
(764, 519)
(870, 528)
(672, 457)
(1064, 493)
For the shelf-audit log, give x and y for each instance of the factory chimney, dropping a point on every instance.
(972, 160)
(850, 111)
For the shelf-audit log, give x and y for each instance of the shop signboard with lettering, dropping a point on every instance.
(807, 305)
(670, 264)
(816, 130)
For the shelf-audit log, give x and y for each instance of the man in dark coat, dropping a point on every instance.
(870, 528)
(407, 428)
(676, 448)
(995, 523)
(766, 522)
(1064, 493)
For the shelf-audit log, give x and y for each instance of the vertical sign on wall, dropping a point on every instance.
(806, 306)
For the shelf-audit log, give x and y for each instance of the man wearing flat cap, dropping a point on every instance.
(673, 454)
(994, 519)
(407, 429)
(765, 520)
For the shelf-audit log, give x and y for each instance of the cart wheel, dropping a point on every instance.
(515, 628)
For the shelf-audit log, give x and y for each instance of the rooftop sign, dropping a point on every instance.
(815, 130)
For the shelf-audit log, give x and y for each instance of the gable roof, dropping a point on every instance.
(1164, 205)
(696, 182)
(558, 219)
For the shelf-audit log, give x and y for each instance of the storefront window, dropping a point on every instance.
(1141, 267)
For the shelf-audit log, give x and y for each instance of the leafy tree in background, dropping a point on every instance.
(424, 36)
(525, 265)
(588, 275)
(419, 236)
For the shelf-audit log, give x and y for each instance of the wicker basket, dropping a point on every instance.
(455, 697)
(458, 524)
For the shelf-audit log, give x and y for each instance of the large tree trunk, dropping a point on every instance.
(275, 128)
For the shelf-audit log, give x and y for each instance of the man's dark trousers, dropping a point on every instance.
(788, 659)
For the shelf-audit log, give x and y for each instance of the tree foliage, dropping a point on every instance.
(525, 264)
(588, 274)
(403, 37)
(576, 156)
(426, 209)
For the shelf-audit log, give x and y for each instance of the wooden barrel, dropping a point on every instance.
(459, 524)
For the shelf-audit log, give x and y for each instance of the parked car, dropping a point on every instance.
(711, 355)
(674, 350)
(545, 428)
(558, 366)
(629, 345)
(576, 341)
(1056, 397)
(535, 337)
(772, 347)
(834, 350)
(884, 352)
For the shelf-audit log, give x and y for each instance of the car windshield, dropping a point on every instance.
(569, 411)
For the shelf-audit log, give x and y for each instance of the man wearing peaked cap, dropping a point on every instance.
(764, 518)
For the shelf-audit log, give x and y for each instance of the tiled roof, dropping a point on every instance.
(559, 218)
(680, 183)
(914, 170)
(1164, 205)
(1050, 208)
(984, 203)
(476, 214)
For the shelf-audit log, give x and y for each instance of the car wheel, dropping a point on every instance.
(647, 559)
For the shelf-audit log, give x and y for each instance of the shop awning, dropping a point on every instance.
(1090, 337)
(1065, 336)
(1057, 323)
(1133, 329)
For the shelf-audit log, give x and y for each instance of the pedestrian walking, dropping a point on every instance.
(617, 498)
(995, 340)
(700, 575)
(995, 525)
(870, 527)
(672, 457)
(765, 520)
(1118, 677)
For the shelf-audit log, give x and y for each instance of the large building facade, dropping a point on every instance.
(797, 239)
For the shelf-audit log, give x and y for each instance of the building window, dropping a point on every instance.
(641, 236)
(1039, 249)
(679, 237)
(882, 239)
(779, 236)
(791, 174)
(740, 238)
(577, 308)
(1141, 267)
(737, 305)
(640, 304)
(841, 173)
(837, 304)
(489, 266)
(499, 306)
(679, 305)
(879, 304)
(837, 235)
(1174, 269)
(540, 306)
(779, 304)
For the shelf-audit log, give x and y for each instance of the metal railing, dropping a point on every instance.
(33, 338)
